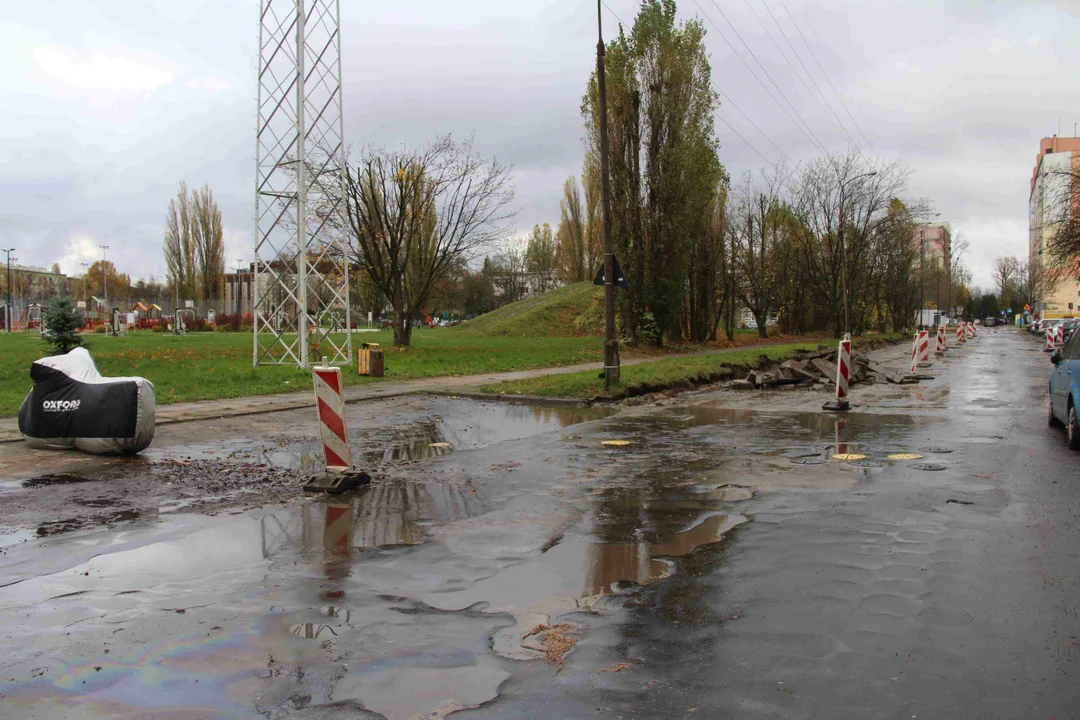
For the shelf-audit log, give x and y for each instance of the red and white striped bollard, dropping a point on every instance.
(843, 376)
(924, 346)
(340, 476)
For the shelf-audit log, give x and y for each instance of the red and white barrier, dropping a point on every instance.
(1059, 336)
(924, 346)
(843, 369)
(1051, 338)
(915, 353)
(941, 346)
(331, 406)
(974, 330)
(960, 334)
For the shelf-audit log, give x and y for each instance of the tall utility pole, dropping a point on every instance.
(7, 315)
(104, 277)
(843, 251)
(611, 344)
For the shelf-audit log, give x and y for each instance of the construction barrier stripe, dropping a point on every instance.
(331, 378)
(331, 420)
(843, 368)
(331, 413)
(337, 527)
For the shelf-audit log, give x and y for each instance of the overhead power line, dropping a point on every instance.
(815, 139)
(751, 71)
(825, 74)
(755, 126)
(823, 103)
(748, 143)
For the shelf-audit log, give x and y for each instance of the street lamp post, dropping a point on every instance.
(104, 277)
(237, 284)
(7, 315)
(843, 251)
(86, 305)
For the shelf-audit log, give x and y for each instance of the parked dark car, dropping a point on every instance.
(990, 321)
(1065, 390)
(1067, 328)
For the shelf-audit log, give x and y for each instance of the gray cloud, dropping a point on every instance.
(958, 91)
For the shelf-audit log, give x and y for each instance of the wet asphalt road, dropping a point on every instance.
(720, 565)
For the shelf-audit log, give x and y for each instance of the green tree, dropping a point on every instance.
(571, 238)
(540, 258)
(664, 168)
(62, 321)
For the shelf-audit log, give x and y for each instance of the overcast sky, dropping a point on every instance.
(108, 105)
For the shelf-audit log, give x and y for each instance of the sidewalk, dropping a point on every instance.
(256, 404)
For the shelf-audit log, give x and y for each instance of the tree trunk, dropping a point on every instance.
(402, 326)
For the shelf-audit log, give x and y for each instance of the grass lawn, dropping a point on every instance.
(655, 373)
(200, 366)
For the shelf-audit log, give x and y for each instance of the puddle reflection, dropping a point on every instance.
(642, 562)
(389, 513)
(474, 425)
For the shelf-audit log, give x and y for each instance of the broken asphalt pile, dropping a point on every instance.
(817, 368)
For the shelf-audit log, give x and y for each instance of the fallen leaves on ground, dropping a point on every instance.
(557, 640)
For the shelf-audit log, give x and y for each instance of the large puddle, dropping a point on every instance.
(409, 597)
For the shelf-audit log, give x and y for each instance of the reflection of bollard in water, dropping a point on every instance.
(337, 545)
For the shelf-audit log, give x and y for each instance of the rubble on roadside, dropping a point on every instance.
(817, 368)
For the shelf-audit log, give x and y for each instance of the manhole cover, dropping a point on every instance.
(936, 450)
(815, 460)
(866, 463)
(905, 456)
(927, 466)
(615, 443)
(848, 456)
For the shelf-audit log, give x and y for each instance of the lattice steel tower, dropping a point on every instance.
(301, 284)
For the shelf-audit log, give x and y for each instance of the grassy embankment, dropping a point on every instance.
(698, 369)
(561, 327)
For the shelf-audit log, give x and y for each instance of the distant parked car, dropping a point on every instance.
(1065, 390)
(989, 322)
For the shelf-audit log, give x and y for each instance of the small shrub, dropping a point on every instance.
(157, 328)
(62, 321)
(101, 329)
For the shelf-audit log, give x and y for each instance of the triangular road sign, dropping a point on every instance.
(620, 277)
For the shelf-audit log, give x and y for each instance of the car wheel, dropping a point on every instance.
(1052, 420)
(1074, 429)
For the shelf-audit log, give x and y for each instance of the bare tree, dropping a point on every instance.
(760, 226)
(508, 270)
(842, 203)
(1005, 272)
(1061, 213)
(412, 214)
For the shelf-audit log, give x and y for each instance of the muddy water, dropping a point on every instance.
(415, 596)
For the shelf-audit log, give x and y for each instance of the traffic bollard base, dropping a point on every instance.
(335, 482)
(837, 406)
